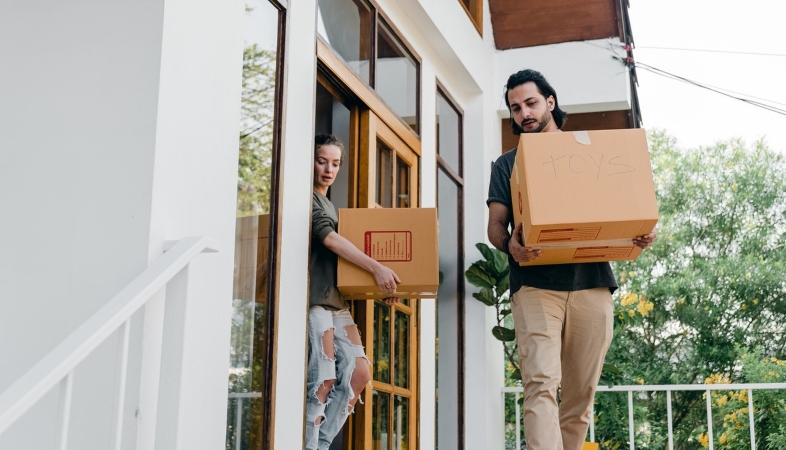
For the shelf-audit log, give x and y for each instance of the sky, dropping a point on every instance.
(695, 116)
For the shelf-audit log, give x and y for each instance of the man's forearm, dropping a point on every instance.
(497, 234)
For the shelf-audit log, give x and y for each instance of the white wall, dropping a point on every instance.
(120, 125)
(584, 74)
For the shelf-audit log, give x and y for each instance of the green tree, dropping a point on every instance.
(256, 131)
(714, 281)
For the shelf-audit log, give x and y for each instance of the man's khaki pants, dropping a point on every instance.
(562, 337)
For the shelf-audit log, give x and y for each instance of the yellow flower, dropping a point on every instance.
(671, 238)
(722, 401)
(755, 301)
(747, 275)
(723, 439)
(631, 274)
(639, 380)
(704, 440)
(629, 299)
(632, 313)
(743, 306)
(734, 187)
(774, 359)
(681, 300)
(773, 374)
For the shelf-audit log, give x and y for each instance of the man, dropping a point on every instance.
(563, 313)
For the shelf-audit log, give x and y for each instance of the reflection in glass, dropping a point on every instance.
(401, 364)
(402, 184)
(332, 117)
(400, 423)
(248, 342)
(447, 312)
(397, 76)
(346, 26)
(380, 432)
(448, 133)
(381, 342)
(384, 174)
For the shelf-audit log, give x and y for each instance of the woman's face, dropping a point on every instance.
(326, 164)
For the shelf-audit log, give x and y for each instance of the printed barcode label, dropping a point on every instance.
(602, 252)
(568, 234)
(388, 246)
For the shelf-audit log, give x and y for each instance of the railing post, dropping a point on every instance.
(631, 430)
(671, 419)
(709, 419)
(238, 421)
(750, 419)
(518, 423)
(122, 374)
(172, 354)
(64, 411)
(592, 421)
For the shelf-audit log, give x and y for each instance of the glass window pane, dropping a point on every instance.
(332, 117)
(384, 174)
(402, 184)
(401, 364)
(448, 133)
(381, 342)
(346, 26)
(448, 312)
(380, 421)
(401, 423)
(249, 334)
(396, 76)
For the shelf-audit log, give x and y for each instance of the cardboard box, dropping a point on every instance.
(584, 195)
(404, 239)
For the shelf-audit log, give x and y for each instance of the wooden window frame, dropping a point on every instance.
(475, 13)
(365, 91)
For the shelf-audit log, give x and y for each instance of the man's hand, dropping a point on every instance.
(647, 240)
(391, 300)
(517, 250)
(386, 279)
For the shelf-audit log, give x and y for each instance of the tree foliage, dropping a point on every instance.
(712, 286)
(256, 131)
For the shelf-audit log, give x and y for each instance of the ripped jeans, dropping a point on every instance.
(336, 408)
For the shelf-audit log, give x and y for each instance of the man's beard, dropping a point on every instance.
(542, 123)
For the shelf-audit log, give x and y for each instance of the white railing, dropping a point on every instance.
(57, 367)
(707, 388)
(239, 397)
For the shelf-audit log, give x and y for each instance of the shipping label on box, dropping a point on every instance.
(403, 239)
(583, 196)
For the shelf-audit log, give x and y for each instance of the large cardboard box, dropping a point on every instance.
(583, 196)
(404, 239)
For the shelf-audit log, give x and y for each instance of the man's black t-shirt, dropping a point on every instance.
(556, 277)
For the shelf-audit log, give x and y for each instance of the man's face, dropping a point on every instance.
(530, 110)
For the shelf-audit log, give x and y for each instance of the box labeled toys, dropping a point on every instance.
(583, 196)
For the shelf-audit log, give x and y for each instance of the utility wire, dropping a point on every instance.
(713, 51)
(672, 76)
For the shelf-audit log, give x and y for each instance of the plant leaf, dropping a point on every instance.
(485, 250)
(486, 296)
(478, 277)
(503, 334)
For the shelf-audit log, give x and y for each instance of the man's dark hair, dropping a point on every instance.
(328, 139)
(545, 89)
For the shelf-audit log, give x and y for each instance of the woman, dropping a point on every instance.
(338, 369)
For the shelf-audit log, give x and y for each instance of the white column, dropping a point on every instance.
(297, 143)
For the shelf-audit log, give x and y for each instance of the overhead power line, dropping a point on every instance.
(713, 51)
(630, 63)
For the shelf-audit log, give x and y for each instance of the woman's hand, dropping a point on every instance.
(386, 279)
